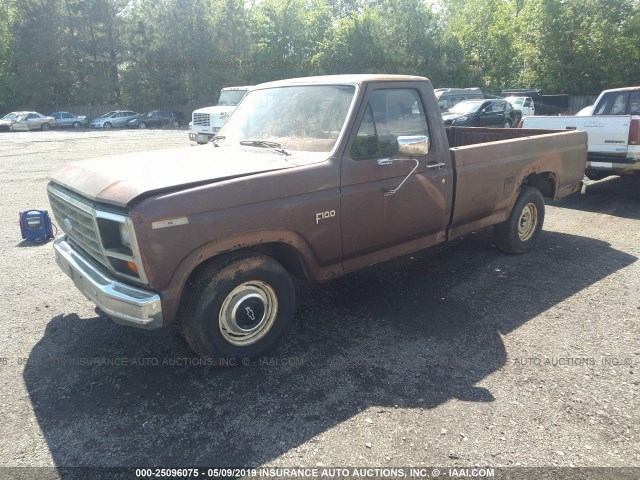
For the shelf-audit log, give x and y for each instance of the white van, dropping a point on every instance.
(448, 97)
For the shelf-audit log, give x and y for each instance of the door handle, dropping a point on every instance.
(384, 161)
(435, 165)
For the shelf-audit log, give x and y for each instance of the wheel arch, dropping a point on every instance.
(291, 251)
(545, 182)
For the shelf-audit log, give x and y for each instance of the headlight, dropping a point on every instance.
(461, 119)
(125, 237)
(120, 246)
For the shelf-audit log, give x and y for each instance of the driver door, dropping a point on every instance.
(377, 225)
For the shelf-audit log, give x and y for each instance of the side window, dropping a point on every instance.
(527, 102)
(390, 114)
(56, 116)
(444, 105)
(66, 115)
(613, 103)
(488, 108)
(634, 104)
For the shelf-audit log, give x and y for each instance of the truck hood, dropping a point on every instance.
(120, 179)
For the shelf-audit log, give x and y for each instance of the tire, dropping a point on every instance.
(45, 126)
(175, 123)
(107, 126)
(520, 232)
(142, 125)
(76, 125)
(507, 124)
(222, 304)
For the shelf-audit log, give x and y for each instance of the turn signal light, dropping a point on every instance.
(133, 267)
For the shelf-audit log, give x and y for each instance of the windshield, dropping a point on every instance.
(466, 107)
(9, 116)
(231, 97)
(306, 118)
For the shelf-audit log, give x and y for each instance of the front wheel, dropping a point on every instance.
(142, 125)
(238, 308)
(76, 125)
(520, 232)
(107, 126)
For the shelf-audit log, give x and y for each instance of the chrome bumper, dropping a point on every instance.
(125, 304)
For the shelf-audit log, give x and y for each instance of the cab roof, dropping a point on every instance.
(349, 79)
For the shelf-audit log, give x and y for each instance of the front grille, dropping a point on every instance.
(201, 119)
(77, 220)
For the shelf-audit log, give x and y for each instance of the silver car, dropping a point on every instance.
(117, 118)
(25, 121)
(5, 122)
(66, 119)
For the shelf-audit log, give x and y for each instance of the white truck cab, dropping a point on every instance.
(206, 122)
(524, 104)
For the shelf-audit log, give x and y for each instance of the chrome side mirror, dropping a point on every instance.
(413, 146)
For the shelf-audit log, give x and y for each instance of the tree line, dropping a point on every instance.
(159, 52)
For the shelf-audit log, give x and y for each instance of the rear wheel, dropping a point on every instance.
(175, 123)
(238, 308)
(520, 232)
(142, 125)
(507, 124)
(76, 125)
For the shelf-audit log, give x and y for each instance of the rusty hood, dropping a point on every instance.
(120, 179)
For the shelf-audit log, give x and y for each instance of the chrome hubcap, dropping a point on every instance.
(528, 222)
(248, 313)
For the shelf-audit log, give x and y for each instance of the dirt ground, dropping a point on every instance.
(457, 356)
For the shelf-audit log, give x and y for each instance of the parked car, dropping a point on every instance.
(613, 126)
(449, 97)
(25, 121)
(524, 104)
(116, 118)
(157, 118)
(5, 122)
(313, 178)
(482, 113)
(66, 119)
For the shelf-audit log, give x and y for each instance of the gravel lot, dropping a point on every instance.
(456, 356)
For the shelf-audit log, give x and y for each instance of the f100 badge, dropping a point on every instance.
(324, 215)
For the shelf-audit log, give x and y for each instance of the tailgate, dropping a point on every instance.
(608, 134)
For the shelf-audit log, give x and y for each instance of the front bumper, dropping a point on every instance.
(201, 137)
(125, 304)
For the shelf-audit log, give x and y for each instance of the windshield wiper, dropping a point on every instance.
(275, 146)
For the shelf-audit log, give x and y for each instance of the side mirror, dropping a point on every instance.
(413, 146)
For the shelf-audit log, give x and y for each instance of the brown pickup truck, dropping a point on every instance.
(310, 178)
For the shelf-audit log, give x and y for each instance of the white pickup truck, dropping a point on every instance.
(205, 122)
(613, 128)
(524, 104)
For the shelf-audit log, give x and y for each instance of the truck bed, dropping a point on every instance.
(489, 164)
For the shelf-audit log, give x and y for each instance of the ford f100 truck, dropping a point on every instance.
(309, 179)
(613, 129)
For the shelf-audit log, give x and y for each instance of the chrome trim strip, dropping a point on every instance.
(125, 304)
